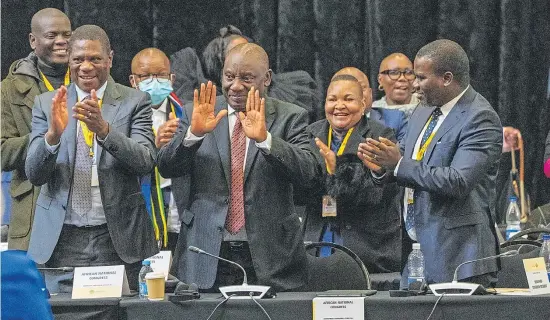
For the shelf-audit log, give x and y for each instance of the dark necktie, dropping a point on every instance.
(235, 218)
(429, 130)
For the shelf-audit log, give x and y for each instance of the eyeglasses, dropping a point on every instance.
(148, 78)
(395, 74)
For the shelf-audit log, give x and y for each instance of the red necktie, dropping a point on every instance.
(235, 219)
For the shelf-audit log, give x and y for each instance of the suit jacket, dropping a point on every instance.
(127, 153)
(19, 88)
(272, 226)
(368, 213)
(455, 187)
(392, 118)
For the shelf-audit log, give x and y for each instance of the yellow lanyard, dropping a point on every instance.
(342, 146)
(89, 135)
(424, 147)
(160, 199)
(49, 85)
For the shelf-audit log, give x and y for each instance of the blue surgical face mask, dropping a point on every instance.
(157, 90)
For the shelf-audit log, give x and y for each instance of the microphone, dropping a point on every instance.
(243, 291)
(200, 251)
(456, 288)
(63, 269)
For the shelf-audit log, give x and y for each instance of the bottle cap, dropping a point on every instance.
(513, 198)
(545, 237)
(146, 263)
(416, 246)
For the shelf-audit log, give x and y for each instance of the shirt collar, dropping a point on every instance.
(162, 107)
(230, 111)
(83, 94)
(446, 108)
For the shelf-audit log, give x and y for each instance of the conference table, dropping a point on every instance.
(298, 305)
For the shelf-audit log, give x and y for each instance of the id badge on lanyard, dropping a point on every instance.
(329, 207)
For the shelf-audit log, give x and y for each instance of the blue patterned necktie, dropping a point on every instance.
(81, 197)
(409, 224)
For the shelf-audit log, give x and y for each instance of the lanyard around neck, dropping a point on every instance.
(49, 85)
(342, 146)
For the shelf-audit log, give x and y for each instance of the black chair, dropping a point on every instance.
(343, 270)
(512, 273)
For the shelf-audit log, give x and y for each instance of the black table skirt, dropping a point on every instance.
(298, 305)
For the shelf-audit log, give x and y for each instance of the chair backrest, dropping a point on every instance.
(339, 271)
(512, 273)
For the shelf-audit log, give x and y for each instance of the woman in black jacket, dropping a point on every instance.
(367, 216)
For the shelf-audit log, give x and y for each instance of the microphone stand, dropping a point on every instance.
(243, 291)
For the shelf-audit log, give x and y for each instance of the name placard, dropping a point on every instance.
(537, 277)
(339, 308)
(100, 282)
(161, 262)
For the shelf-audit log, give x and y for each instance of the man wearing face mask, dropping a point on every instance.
(151, 74)
(43, 70)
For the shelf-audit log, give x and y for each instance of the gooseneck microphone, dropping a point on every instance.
(510, 253)
(456, 288)
(200, 251)
(243, 291)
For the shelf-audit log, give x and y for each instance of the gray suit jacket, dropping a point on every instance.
(455, 187)
(272, 226)
(127, 153)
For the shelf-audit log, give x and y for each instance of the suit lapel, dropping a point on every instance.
(450, 121)
(109, 106)
(376, 115)
(221, 135)
(252, 149)
(70, 131)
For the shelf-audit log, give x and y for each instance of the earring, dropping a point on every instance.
(380, 88)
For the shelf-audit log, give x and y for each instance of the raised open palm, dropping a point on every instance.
(253, 122)
(203, 119)
(59, 116)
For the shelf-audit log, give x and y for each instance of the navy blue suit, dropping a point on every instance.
(391, 118)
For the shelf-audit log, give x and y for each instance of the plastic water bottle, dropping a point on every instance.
(513, 216)
(545, 252)
(416, 268)
(142, 285)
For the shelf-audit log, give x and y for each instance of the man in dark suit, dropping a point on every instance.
(41, 71)
(90, 210)
(390, 118)
(449, 164)
(242, 168)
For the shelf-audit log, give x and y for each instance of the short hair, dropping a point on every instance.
(46, 13)
(448, 56)
(344, 77)
(213, 55)
(348, 77)
(251, 49)
(91, 32)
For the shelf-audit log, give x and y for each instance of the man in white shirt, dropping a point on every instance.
(448, 164)
(151, 74)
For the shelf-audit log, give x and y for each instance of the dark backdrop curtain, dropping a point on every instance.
(508, 42)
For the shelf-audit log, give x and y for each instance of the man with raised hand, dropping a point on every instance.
(242, 168)
(90, 143)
